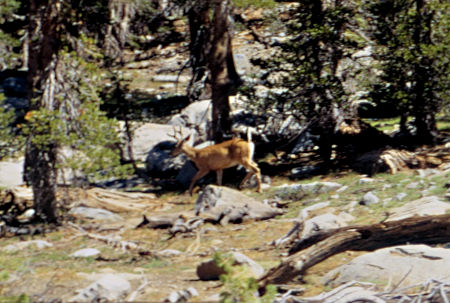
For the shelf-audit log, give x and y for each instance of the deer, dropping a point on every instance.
(218, 157)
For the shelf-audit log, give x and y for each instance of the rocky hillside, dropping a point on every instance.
(147, 240)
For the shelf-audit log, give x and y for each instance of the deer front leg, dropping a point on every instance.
(219, 174)
(198, 175)
(253, 169)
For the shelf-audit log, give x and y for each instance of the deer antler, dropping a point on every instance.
(175, 132)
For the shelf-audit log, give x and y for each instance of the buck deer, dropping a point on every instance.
(218, 157)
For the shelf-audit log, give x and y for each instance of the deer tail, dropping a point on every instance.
(250, 143)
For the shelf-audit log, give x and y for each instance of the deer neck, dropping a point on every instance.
(190, 151)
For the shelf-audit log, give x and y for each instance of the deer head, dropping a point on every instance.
(180, 141)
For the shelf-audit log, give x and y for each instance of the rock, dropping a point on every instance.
(169, 252)
(94, 214)
(369, 199)
(182, 295)
(255, 268)
(305, 171)
(415, 263)
(197, 115)
(11, 173)
(400, 196)
(366, 180)
(217, 203)
(159, 160)
(147, 136)
(298, 191)
(304, 213)
(425, 206)
(325, 222)
(428, 172)
(85, 253)
(14, 85)
(413, 185)
(109, 287)
(209, 270)
(169, 78)
(40, 244)
(243, 65)
(306, 141)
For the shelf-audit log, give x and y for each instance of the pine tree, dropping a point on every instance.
(412, 46)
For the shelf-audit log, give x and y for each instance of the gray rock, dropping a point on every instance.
(305, 171)
(109, 287)
(400, 196)
(169, 78)
(229, 205)
(94, 214)
(413, 185)
(369, 199)
(209, 270)
(243, 65)
(428, 172)
(197, 116)
(426, 206)
(11, 172)
(40, 244)
(159, 159)
(169, 252)
(147, 136)
(325, 222)
(85, 253)
(415, 263)
(298, 191)
(304, 213)
(366, 180)
(181, 295)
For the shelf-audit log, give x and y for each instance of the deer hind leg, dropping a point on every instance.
(198, 175)
(253, 169)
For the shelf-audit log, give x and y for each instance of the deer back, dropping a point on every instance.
(222, 155)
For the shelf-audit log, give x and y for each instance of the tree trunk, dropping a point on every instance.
(318, 247)
(200, 45)
(424, 104)
(120, 14)
(224, 78)
(40, 157)
(42, 174)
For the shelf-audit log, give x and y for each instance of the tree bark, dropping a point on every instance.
(224, 78)
(200, 45)
(424, 104)
(40, 157)
(310, 251)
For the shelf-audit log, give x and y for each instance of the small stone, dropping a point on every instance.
(369, 199)
(366, 180)
(400, 196)
(85, 253)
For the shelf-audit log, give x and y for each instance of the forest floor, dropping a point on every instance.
(51, 273)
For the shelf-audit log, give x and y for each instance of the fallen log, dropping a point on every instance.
(314, 249)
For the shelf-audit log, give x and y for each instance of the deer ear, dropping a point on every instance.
(187, 137)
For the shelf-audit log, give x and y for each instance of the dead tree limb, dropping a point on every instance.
(307, 252)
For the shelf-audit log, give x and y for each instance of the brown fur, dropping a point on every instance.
(218, 157)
